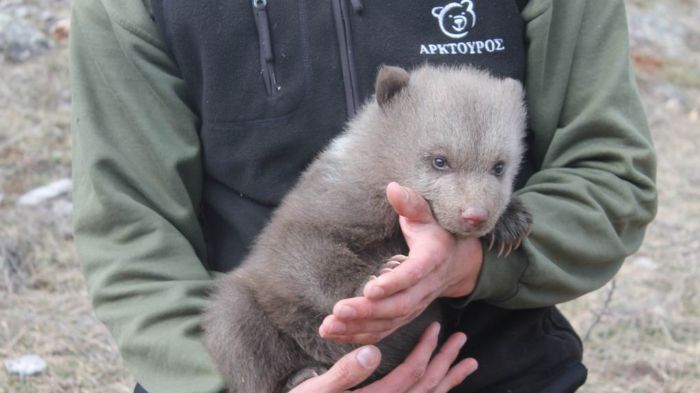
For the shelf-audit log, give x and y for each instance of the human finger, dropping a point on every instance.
(372, 338)
(399, 305)
(440, 364)
(333, 326)
(418, 266)
(362, 338)
(347, 372)
(456, 375)
(412, 369)
(409, 204)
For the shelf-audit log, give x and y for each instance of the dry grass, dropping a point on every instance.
(44, 308)
(642, 337)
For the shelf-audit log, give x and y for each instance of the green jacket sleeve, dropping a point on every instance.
(593, 190)
(137, 177)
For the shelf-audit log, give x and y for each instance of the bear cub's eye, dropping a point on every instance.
(440, 163)
(499, 168)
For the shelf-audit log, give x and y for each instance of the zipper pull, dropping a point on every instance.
(267, 57)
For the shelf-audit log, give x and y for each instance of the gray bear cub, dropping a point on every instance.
(454, 135)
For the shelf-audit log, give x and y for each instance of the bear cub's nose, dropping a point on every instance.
(473, 217)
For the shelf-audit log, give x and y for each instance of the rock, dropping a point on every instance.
(20, 41)
(25, 366)
(41, 194)
(657, 31)
(62, 208)
(645, 263)
(22, 12)
(674, 105)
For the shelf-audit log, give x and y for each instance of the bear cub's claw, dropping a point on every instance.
(391, 264)
(388, 266)
(510, 230)
(302, 375)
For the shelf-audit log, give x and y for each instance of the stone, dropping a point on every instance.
(645, 263)
(42, 194)
(19, 40)
(25, 366)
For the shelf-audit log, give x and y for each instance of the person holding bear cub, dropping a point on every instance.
(193, 119)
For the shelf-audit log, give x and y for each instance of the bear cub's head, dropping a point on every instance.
(454, 135)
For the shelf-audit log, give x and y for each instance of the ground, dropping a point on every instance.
(641, 332)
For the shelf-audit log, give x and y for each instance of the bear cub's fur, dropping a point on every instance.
(454, 135)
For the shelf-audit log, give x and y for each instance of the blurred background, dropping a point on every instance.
(641, 331)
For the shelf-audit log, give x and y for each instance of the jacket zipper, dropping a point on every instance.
(267, 56)
(343, 30)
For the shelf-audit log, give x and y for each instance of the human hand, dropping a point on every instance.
(438, 265)
(417, 374)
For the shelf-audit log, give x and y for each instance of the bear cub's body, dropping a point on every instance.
(454, 135)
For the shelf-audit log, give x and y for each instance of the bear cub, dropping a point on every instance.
(455, 136)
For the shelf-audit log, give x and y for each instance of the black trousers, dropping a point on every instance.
(519, 351)
(139, 389)
(567, 382)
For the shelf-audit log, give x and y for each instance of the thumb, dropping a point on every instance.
(346, 373)
(409, 204)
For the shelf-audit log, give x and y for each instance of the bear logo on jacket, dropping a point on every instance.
(456, 18)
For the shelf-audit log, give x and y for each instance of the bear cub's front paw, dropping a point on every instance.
(391, 264)
(510, 230)
(388, 266)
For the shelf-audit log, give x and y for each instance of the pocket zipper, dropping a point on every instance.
(267, 56)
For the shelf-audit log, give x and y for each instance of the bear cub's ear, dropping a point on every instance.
(390, 80)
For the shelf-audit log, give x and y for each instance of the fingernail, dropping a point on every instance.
(374, 292)
(436, 332)
(366, 357)
(337, 327)
(463, 340)
(406, 196)
(346, 312)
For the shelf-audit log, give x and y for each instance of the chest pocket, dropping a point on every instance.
(242, 60)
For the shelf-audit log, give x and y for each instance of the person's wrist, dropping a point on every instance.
(466, 262)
